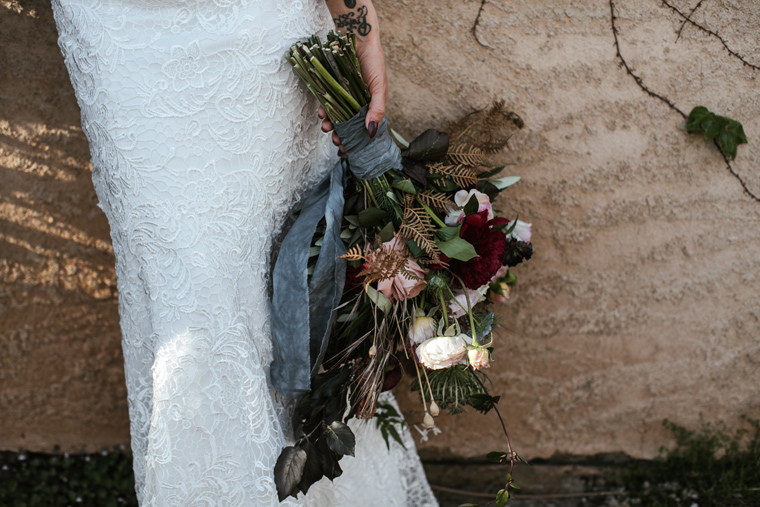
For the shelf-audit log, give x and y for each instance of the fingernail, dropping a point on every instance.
(372, 128)
(325, 130)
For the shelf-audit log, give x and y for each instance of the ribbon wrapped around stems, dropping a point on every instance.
(303, 310)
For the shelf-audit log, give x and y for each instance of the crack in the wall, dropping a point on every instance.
(687, 19)
(474, 28)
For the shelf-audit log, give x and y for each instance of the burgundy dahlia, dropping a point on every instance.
(489, 244)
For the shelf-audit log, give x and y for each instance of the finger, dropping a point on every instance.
(322, 113)
(335, 139)
(327, 126)
(375, 115)
(379, 90)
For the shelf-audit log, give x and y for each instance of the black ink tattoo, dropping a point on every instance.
(350, 3)
(354, 22)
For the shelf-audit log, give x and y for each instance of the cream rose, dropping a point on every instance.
(442, 352)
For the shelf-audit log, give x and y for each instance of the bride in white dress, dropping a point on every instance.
(202, 142)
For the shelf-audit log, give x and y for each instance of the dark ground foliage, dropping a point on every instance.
(30, 479)
(707, 468)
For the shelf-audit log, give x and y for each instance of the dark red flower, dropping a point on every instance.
(489, 244)
(354, 282)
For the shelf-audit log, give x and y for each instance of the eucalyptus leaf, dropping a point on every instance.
(399, 138)
(387, 232)
(472, 206)
(458, 249)
(340, 438)
(448, 233)
(492, 172)
(405, 186)
(488, 188)
(504, 182)
(430, 145)
(414, 248)
(379, 299)
(393, 197)
(288, 471)
(372, 217)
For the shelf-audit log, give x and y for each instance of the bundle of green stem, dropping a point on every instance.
(332, 73)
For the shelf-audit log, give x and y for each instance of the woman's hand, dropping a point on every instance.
(359, 17)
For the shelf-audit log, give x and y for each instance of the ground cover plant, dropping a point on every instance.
(103, 479)
(708, 467)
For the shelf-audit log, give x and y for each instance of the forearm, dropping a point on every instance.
(356, 16)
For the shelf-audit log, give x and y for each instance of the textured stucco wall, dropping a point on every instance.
(641, 302)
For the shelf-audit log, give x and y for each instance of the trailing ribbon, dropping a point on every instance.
(303, 310)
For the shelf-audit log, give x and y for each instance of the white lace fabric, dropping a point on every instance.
(202, 142)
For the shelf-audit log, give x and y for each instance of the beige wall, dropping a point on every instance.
(641, 302)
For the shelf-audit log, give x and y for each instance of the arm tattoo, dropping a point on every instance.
(355, 22)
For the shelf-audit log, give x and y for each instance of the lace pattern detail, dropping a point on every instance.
(202, 142)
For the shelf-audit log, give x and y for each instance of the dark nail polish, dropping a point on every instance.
(372, 128)
(341, 153)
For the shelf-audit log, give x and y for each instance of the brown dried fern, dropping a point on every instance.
(488, 129)
(465, 154)
(354, 253)
(461, 174)
(436, 200)
(416, 227)
(382, 264)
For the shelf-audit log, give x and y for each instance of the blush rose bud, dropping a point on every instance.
(434, 410)
(428, 421)
(479, 358)
(372, 351)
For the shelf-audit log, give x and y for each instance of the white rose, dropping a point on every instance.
(521, 232)
(461, 198)
(442, 352)
(423, 329)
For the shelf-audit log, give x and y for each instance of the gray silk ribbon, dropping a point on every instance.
(303, 310)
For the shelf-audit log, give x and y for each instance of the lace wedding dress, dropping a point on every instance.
(202, 142)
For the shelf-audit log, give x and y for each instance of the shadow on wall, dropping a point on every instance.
(61, 372)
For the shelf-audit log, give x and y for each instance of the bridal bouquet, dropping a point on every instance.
(421, 253)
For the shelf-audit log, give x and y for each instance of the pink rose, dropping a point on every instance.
(400, 287)
(442, 352)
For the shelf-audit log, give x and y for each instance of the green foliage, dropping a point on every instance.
(453, 388)
(727, 133)
(707, 467)
(386, 420)
(50, 480)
